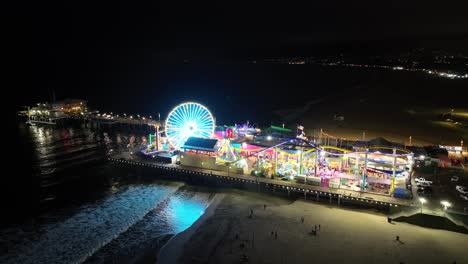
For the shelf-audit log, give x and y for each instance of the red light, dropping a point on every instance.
(229, 133)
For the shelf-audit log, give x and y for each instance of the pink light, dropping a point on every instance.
(219, 135)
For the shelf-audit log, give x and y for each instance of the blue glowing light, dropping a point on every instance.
(184, 213)
(188, 120)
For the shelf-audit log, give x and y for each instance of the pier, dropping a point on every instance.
(94, 120)
(374, 173)
(223, 179)
(72, 110)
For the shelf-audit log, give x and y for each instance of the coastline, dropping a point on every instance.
(149, 252)
(228, 234)
(173, 248)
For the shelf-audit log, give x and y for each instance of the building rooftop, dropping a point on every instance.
(196, 143)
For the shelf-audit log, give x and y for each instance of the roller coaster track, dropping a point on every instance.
(336, 148)
(291, 140)
(390, 148)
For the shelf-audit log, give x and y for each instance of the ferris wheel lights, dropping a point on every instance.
(188, 120)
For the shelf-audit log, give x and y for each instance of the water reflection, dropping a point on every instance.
(99, 223)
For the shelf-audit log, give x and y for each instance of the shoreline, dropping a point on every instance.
(345, 236)
(173, 248)
(149, 253)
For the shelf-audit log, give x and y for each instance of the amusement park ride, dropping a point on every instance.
(184, 121)
(379, 168)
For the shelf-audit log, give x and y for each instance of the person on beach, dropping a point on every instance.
(397, 238)
(272, 233)
(276, 235)
(319, 227)
(264, 207)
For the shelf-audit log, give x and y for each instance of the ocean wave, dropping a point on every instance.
(76, 238)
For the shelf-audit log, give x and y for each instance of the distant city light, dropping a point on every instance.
(399, 68)
(269, 137)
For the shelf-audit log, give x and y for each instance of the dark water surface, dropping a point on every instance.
(87, 210)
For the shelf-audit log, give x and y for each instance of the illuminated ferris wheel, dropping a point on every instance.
(188, 120)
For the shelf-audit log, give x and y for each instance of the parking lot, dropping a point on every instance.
(443, 189)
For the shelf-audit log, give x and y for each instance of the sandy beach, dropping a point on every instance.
(226, 232)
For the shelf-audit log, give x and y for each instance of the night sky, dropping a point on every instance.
(146, 57)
